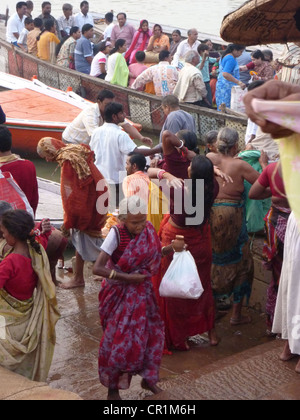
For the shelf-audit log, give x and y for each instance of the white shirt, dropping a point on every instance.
(81, 19)
(14, 25)
(83, 126)
(65, 24)
(183, 48)
(251, 130)
(110, 243)
(111, 146)
(23, 38)
(107, 32)
(99, 58)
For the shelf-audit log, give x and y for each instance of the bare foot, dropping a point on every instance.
(213, 338)
(182, 347)
(153, 388)
(72, 284)
(287, 355)
(240, 321)
(113, 394)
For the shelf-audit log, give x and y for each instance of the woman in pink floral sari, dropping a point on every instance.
(133, 332)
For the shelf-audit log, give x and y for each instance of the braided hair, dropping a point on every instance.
(20, 225)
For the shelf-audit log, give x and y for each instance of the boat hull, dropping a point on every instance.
(26, 137)
(139, 107)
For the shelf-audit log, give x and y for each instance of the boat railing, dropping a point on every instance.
(139, 107)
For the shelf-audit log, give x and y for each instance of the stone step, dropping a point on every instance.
(17, 387)
(255, 374)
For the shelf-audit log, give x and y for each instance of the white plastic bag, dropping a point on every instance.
(181, 280)
(236, 103)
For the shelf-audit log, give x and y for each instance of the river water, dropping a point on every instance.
(205, 15)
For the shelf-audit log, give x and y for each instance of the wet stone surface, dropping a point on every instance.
(75, 362)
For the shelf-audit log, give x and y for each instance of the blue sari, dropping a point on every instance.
(223, 91)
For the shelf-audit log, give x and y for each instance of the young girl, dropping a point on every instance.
(27, 300)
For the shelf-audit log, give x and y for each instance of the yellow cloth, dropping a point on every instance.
(289, 150)
(158, 206)
(141, 185)
(286, 114)
(27, 328)
(46, 47)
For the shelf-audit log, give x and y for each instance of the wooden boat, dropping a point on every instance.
(140, 107)
(35, 110)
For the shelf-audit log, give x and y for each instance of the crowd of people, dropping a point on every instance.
(162, 209)
(144, 59)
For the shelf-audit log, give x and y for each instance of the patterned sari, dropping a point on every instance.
(133, 332)
(232, 268)
(27, 328)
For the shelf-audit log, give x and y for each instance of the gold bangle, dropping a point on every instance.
(112, 274)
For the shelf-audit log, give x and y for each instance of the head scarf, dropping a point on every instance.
(58, 151)
(79, 181)
(146, 37)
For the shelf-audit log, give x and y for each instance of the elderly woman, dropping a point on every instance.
(158, 42)
(229, 74)
(28, 308)
(81, 186)
(133, 332)
(232, 268)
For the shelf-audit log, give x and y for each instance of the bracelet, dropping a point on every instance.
(113, 274)
(182, 143)
(160, 174)
(162, 251)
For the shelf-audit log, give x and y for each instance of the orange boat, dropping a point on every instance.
(34, 110)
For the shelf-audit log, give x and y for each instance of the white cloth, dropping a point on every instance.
(81, 19)
(99, 58)
(23, 38)
(107, 32)
(82, 127)
(65, 24)
(88, 247)
(251, 130)
(111, 146)
(190, 86)
(110, 243)
(14, 25)
(287, 311)
(183, 48)
(264, 141)
(111, 64)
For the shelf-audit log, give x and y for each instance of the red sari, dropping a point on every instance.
(187, 317)
(133, 332)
